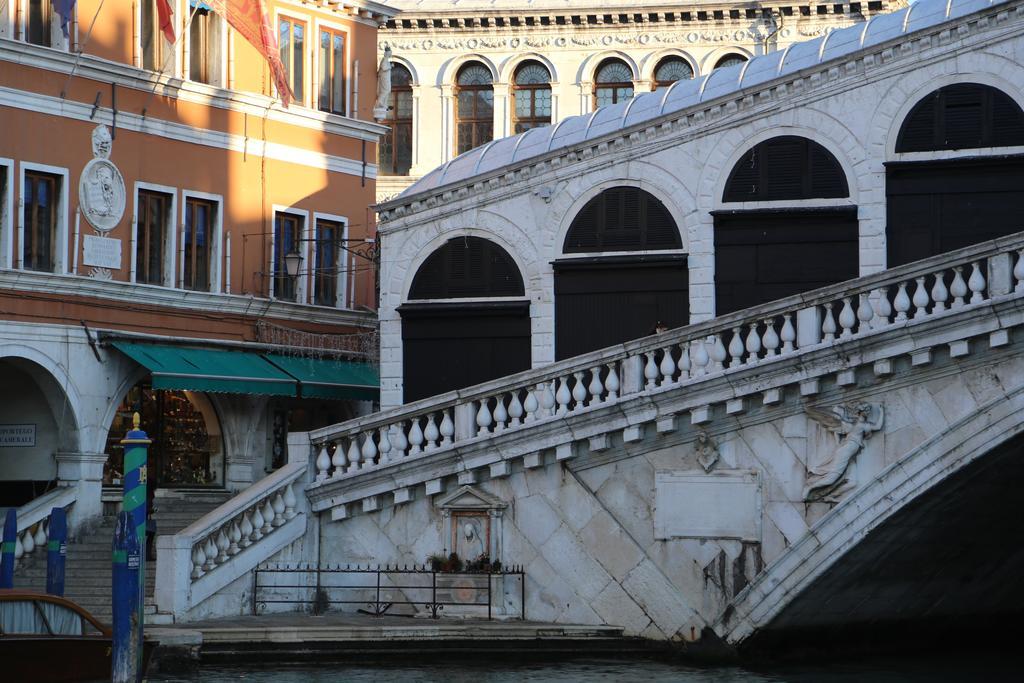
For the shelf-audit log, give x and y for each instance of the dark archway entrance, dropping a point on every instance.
(465, 322)
(763, 254)
(623, 287)
(938, 205)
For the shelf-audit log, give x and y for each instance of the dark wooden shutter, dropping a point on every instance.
(622, 219)
(467, 267)
(962, 116)
(786, 167)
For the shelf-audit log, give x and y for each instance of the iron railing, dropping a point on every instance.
(381, 587)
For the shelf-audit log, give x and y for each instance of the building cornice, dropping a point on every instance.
(96, 68)
(699, 119)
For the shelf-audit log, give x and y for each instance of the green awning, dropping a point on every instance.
(335, 379)
(215, 370)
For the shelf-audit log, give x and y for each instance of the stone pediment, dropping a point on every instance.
(470, 498)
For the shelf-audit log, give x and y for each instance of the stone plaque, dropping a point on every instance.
(101, 252)
(17, 436)
(101, 191)
(725, 504)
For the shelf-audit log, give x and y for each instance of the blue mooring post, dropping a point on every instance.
(126, 645)
(56, 551)
(136, 449)
(10, 541)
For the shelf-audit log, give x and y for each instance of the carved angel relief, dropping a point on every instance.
(851, 426)
(707, 451)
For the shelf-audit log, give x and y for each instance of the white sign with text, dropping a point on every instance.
(17, 436)
(101, 252)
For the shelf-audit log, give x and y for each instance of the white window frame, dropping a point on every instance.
(61, 247)
(7, 214)
(216, 239)
(347, 32)
(302, 279)
(342, 258)
(170, 252)
(186, 41)
(175, 50)
(57, 39)
(308, 61)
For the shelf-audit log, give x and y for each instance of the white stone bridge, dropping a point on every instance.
(807, 462)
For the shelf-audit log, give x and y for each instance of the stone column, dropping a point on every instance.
(447, 121)
(85, 472)
(586, 97)
(414, 169)
(641, 86)
(502, 111)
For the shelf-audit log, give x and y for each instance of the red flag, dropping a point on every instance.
(249, 17)
(163, 13)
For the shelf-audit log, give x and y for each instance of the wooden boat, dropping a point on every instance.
(45, 638)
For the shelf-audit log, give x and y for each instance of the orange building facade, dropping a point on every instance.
(160, 208)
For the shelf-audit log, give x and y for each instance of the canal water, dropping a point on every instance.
(938, 668)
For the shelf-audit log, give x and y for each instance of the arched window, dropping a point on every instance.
(613, 83)
(474, 107)
(731, 59)
(396, 145)
(962, 116)
(622, 219)
(531, 92)
(467, 267)
(670, 70)
(786, 167)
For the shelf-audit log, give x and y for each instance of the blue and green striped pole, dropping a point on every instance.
(7, 546)
(56, 551)
(136, 448)
(126, 646)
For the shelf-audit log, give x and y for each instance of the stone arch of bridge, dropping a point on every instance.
(991, 427)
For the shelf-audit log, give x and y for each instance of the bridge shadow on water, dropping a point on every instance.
(942, 574)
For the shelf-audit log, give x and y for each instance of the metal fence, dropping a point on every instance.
(382, 587)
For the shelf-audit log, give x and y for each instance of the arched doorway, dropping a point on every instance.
(187, 449)
(623, 273)
(466, 320)
(939, 204)
(772, 250)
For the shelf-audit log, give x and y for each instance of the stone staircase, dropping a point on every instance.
(175, 509)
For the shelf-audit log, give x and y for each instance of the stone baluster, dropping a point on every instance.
(447, 428)
(431, 434)
(515, 409)
(611, 382)
(415, 437)
(650, 370)
(290, 501)
(210, 549)
(770, 339)
(596, 388)
(353, 453)
(547, 398)
(222, 547)
(563, 396)
(667, 367)
(939, 292)
(958, 288)
(245, 526)
(369, 451)
(753, 344)
(384, 446)
(685, 363)
(700, 358)
(864, 312)
(19, 548)
(257, 523)
(883, 309)
(579, 390)
(736, 348)
(277, 505)
(788, 333)
(338, 460)
(718, 353)
(28, 542)
(500, 413)
(268, 517)
(483, 418)
(977, 283)
(531, 405)
(198, 560)
(1018, 272)
(921, 299)
(828, 325)
(323, 463)
(40, 537)
(234, 536)
(398, 440)
(901, 303)
(847, 319)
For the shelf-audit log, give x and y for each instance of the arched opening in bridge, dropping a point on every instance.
(938, 200)
(466, 320)
(943, 570)
(36, 422)
(623, 272)
(774, 243)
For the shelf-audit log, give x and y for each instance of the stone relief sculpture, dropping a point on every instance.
(101, 191)
(707, 451)
(852, 426)
(380, 107)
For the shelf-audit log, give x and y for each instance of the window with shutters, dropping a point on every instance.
(38, 22)
(467, 267)
(157, 53)
(613, 83)
(670, 70)
(622, 219)
(395, 148)
(287, 235)
(962, 116)
(151, 230)
(786, 167)
(327, 271)
(206, 44)
(531, 93)
(474, 107)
